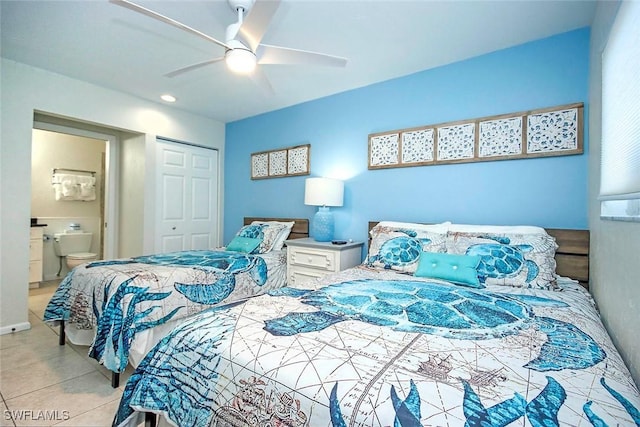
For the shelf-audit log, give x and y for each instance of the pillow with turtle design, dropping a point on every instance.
(268, 233)
(282, 230)
(397, 246)
(519, 260)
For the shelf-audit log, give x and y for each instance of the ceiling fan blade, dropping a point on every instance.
(268, 54)
(261, 80)
(143, 10)
(257, 22)
(193, 67)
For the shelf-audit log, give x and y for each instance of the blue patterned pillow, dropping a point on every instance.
(267, 233)
(397, 246)
(520, 260)
(280, 228)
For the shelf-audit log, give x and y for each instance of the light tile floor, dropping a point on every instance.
(45, 384)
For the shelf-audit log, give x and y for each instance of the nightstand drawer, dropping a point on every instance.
(308, 257)
(300, 276)
(309, 260)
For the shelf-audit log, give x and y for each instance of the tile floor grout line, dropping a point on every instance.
(95, 417)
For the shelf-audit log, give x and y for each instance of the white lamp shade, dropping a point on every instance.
(323, 192)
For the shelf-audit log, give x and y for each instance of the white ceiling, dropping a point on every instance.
(110, 46)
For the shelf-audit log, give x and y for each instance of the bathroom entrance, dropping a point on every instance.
(71, 179)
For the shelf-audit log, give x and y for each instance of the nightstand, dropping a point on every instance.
(308, 259)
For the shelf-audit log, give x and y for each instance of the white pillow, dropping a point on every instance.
(496, 229)
(433, 228)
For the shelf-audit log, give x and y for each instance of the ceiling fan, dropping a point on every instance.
(243, 54)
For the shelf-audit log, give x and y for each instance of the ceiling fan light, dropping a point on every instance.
(240, 61)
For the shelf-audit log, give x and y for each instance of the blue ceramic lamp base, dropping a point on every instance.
(322, 226)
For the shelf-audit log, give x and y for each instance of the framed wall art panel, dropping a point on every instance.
(290, 161)
(384, 150)
(456, 142)
(259, 165)
(418, 146)
(298, 160)
(500, 137)
(278, 163)
(554, 131)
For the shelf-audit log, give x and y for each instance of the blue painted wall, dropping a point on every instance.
(550, 192)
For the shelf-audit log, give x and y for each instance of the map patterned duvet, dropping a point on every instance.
(119, 299)
(375, 348)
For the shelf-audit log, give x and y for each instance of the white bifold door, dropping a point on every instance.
(187, 197)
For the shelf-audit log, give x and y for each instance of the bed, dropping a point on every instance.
(442, 325)
(121, 308)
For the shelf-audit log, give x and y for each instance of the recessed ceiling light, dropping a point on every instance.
(168, 98)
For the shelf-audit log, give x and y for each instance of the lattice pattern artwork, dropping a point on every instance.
(555, 131)
(500, 137)
(260, 165)
(417, 146)
(552, 131)
(298, 160)
(456, 142)
(278, 163)
(384, 149)
(283, 162)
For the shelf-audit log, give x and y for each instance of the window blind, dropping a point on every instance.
(620, 161)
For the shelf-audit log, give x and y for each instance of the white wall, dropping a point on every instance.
(615, 245)
(26, 90)
(131, 200)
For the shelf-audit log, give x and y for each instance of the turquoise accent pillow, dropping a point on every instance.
(460, 269)
(243, 244)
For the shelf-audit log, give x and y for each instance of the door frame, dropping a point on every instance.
(110, 220)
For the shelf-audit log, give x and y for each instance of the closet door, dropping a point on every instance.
(187, 197)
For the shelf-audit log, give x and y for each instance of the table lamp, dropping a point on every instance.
(323, 192)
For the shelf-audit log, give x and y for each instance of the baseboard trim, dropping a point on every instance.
(15, 328)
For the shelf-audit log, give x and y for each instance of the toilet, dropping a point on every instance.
(74, 245)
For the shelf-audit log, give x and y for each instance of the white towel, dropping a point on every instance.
(65, 186)
(87, 188)
(74, 187)
(68, 188)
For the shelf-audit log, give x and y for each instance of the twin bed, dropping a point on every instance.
(122, 308)
(442, 324)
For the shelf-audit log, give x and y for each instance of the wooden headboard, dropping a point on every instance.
(300, 229)
(572, 255)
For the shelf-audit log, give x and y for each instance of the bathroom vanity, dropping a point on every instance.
(35, 255)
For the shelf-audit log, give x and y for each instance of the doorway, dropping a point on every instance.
(67, 149)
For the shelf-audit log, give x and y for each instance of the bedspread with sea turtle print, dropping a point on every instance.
(376, 348)
(118, 299)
